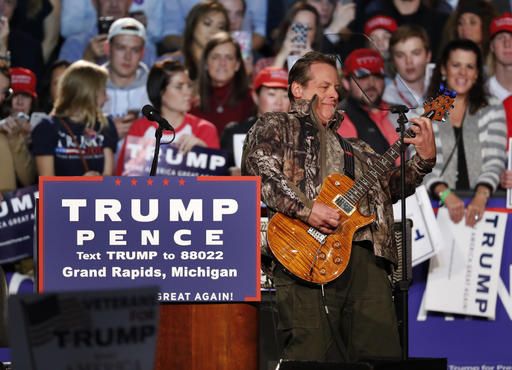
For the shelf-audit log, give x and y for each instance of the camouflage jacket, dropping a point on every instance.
(293, 152)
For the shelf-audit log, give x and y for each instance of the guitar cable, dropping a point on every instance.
(273, 310)
(336, 336)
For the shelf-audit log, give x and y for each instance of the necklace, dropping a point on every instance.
(219, 99)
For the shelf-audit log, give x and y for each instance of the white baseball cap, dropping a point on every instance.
(127, 26)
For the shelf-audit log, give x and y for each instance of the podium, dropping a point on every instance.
(198, 336)
(195, 238)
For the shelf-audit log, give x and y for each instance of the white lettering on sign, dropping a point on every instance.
(111, 208)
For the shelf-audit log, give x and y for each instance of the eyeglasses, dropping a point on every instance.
(361, 73)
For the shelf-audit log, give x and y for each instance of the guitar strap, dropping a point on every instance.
(348, 151)
(348, 157)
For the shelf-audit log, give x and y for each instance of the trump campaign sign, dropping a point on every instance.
(197, 238)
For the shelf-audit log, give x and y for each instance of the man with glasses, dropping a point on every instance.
(366, 116)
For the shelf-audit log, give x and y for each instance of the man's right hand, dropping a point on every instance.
(324, 218)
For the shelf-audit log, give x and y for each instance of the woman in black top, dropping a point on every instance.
(78, 139)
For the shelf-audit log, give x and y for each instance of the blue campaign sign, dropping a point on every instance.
(467, 342)
(199, 161)
(17, 211)
(198, 239)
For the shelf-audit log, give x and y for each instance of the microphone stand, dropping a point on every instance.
(403, 284)
(158, 137)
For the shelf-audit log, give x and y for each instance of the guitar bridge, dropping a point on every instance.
(317, 235)
(344, 205)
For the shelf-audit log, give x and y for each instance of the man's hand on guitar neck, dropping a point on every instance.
(324, 218)
(424, 141)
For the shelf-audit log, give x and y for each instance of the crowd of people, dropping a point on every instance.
(74, 75)
(386, 48)
(388, 54)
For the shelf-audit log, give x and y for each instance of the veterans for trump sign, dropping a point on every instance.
(196, 238)
(115, 329)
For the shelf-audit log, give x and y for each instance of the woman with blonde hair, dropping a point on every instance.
(78, 139)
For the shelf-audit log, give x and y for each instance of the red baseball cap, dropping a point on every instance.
(364, 62)
(23, 81)
(271, 77)
(380, 21)
(503, 23)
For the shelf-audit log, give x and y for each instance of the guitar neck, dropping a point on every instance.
(379, 169)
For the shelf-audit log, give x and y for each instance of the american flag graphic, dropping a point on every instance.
(52, 313)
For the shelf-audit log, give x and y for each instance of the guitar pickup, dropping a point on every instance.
(317, 235)
(344, 205)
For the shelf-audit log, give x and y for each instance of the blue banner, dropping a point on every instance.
(196, 238)
(469, 343)
(17, 212)
(199, 161)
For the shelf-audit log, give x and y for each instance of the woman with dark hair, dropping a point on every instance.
(223, 83)
(49, 95)
(203, 21)
(299, 32)
(471, 147)
(471, 20)
(170, 91)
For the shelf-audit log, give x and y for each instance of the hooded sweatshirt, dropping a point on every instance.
(132, 97)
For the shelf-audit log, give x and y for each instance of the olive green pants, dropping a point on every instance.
(360, 308)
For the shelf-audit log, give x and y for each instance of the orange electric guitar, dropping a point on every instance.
(320, 258)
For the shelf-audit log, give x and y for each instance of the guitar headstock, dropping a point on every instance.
(437, 107)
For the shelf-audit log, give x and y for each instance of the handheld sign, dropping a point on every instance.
(84, 330)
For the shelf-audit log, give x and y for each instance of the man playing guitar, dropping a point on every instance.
(294, 153)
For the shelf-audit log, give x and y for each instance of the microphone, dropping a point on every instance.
(153, 115)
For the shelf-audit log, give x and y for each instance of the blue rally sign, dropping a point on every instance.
(17, 210)
(196, 238)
